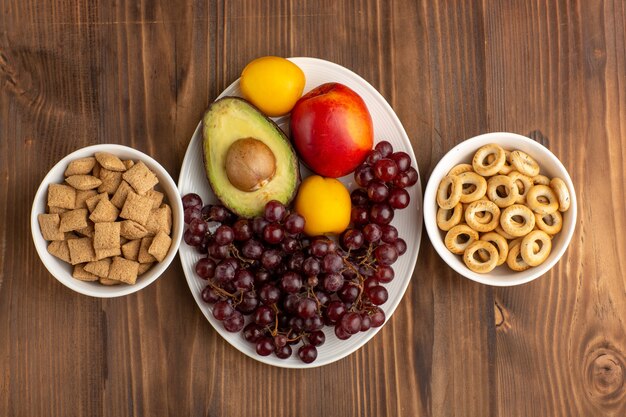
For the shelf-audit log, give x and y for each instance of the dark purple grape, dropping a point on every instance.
(283, 352)
(198, 227)
(291, 303)
(359, 215)
(322, 297)
(269, 294)
(359, 197)
(274, 211)
(307, 353)
(291, 282)
(206, 212)
(273, 233)
(220, 214)
(351, 322)
(258, 224)
(296, 323)
(402, 160)
(332, 282)
(224, 235)
(252, 249)
(384, 148)
(192, 200)
(341, 333)
(261, 276)
(271, 259)
(366, 322)
(294, 223)
(264, 315)
(314, 323)
(399, 198)
(217, 251)
(311, 266)
(381, 214)
(363, 175)
(332, 263)
(316, 338)
(320, 247)
(377, 191)
(253, 332)
(370, 282)
(348, 293)
(191, 239)
(242, 230)
(400, 245)
(352, 239)
(248, 303)
(389, 234)
(372, 232)
(202, 248)
(224, 271)
(384, 273)
(386, 254)
(222, 310)
(265, 346)
(312, 281)
(377, 294)
(205, 268)
(377, 317)
(192, 213)
(244, 279)
(280, 340)
(406, 179)
(234, 323)
(386, 170)
(296, 261)
(373, 157)
(306, 308)
(289, 244)
(209, 295)
(335, 310)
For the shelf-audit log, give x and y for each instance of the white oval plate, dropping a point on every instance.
(408, 221)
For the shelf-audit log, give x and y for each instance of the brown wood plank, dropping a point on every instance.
(142, 73)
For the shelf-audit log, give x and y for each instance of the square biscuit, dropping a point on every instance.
(136, 208)
(160, 246)
(110, 161)
(128, 163)
(92, 202)
(132, 230)
(123, 270)
(156, 197)
(106, 235)
(160, 220)
(99, 268)
(83, 182)
(82, 166)
(62, 196)
(130, 250)
(108, 282)
(80, 273)
(107, 253)
(86, 231)
(49, 225)
(73, 220)
(60, 249)
(143, 268)
(119, 198)
(56, 210)
(83, 196)
(105, 211)
(144, 256)
(110, 181)
(140, 178)
(81, 250)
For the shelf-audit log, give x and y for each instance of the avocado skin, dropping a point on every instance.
(282, 187)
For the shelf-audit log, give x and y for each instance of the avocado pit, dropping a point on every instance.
(250, 164)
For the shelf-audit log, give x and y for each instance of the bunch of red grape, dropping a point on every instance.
(292, 285)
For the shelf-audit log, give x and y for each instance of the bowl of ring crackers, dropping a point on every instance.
(500, 209)
(107, 220)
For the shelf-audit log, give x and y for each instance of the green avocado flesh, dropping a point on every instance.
(228, 120)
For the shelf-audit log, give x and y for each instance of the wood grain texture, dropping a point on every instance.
(74, 73)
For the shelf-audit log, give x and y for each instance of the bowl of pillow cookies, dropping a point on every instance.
(500, 209)
(107, 220)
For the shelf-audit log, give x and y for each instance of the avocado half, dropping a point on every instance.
(228, 120)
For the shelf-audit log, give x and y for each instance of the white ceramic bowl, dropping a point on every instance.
(463, 153)
(62, 271)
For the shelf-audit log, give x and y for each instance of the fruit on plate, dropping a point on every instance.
(325, 205)
(248, 159)
(332, 129)
(273, 84)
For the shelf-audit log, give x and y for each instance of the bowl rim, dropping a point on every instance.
(443, 166)
(102, 291)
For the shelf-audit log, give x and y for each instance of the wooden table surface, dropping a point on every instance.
(76, 73)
